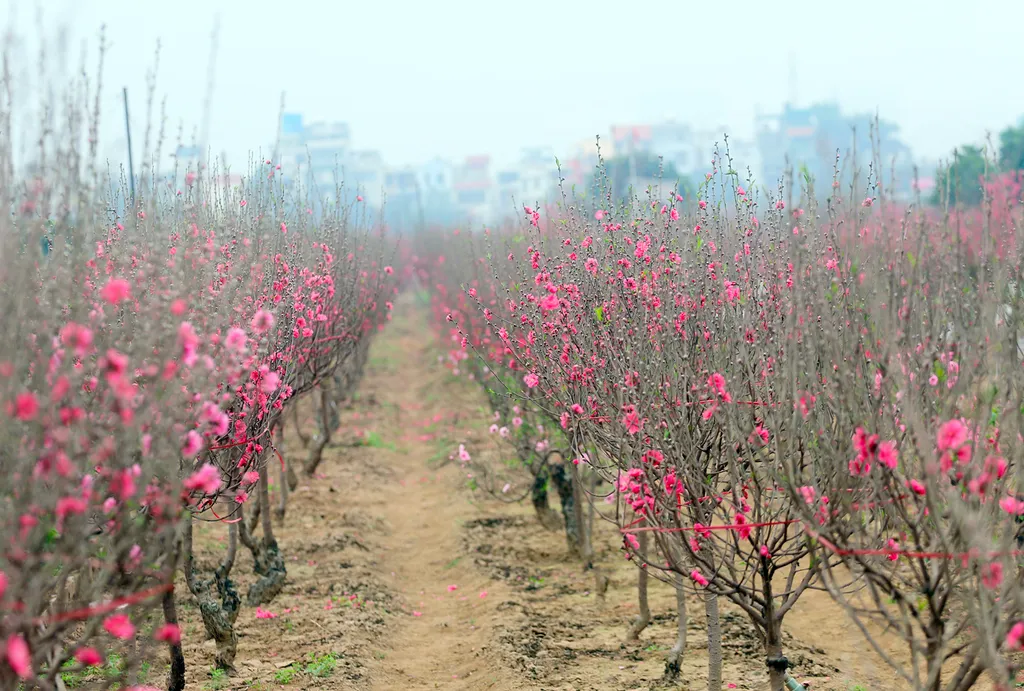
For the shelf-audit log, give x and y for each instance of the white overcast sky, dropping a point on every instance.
(416, 78)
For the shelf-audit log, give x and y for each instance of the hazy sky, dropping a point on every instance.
(456, 77)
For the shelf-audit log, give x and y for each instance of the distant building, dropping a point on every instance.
(582, 161)
(435, 178)
(626, 138)
(677, 145)
(313, 153)
(402, 203)
(365, 174)
(811, 137)
(474, 189)
(530, 181)
(685, 149)
(437, 192)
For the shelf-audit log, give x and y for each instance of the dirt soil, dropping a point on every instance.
(406, 578)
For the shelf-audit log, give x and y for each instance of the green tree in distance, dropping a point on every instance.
(964, 174)
(1011, 148)
(962, 178)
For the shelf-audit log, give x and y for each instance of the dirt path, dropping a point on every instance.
(441, 643)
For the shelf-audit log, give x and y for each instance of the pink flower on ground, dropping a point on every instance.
(18, 657)
(483, 593)
(452, 588)
(264, 614)
(116, 290)
(206, 479)
(119, 626)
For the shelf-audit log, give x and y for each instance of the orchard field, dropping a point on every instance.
(760, 435)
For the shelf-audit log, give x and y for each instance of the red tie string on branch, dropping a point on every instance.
(708, 401)
(735, 526)
(225, 519)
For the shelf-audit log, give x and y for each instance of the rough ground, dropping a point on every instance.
(375, 544)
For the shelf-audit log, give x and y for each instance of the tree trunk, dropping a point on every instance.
(675, 655)
(292, 476)
(564, 486)
(644, 617)
(601, 580)
(282, 506)
(267, 560)
(323, 438)
(298, 428)
(176, 675)
(714, 642)
(218, 609)
(578, 498)
(539, 497)
(776, 661)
